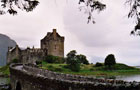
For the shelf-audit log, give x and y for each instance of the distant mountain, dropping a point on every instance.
(5, 42)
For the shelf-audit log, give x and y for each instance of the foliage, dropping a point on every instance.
(5, 70)
(50, 59)
(134, 13)
(50, 67)
(90, 6)
(11, 6)
(93, 5)
(120, 69)
(15, 60)
(73, 61)
(110, 60)
(82, 59)
(71, 56)
(38, 62)
(54, 59)
(58, 69)
(74, 65)
(98, 64)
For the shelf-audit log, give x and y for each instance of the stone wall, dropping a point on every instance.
(32, 55)
(29, 55)
(32, 78)
(13, 53)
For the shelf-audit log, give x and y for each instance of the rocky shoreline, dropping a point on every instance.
(3, 85)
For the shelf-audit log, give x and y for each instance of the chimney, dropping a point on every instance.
(54, 30)
(54, 33)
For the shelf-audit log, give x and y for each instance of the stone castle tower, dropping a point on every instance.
(53, 43)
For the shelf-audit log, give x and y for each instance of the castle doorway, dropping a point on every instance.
(18, 86)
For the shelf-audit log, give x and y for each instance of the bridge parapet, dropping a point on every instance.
(40, 79)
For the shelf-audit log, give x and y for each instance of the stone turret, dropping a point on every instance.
(53, 43)
(13, 53)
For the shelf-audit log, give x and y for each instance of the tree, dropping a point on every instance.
(134, 13)
(82, 59)
(11, 6)
(98, 64)
(73, 61)
(71, 56)
(90, 6)
(110, 60)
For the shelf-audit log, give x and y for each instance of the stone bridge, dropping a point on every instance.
(27, 77)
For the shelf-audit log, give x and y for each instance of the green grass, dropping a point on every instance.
(118, 69)
(4, 70)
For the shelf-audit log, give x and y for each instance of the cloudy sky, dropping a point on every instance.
(110, 34)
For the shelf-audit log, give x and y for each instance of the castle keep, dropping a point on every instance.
(51, 44)
(54, 43)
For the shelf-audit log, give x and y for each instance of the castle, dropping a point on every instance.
(51, 44)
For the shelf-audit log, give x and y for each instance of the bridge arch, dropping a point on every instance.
(18, 86)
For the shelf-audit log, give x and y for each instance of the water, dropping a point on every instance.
(4, 80)
(137, 66)
(129, 78)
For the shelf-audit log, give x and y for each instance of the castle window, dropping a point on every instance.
(55, 46)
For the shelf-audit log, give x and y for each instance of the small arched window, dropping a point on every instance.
(18, 86)
(55, 47)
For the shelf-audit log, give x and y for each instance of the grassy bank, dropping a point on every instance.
(91, 69)
(118, 69)
(4, 71)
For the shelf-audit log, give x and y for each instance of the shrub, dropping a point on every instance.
(50, 67)
(58, 69)
(38, 62)
(15, 60)
(110, 60)
(75, 66)
(66, 66)
(73, 61)
(71, 56)
(50, 59)
(98, 64)
(91, 69)
(54, 59)
(82, 59)
(59, 59)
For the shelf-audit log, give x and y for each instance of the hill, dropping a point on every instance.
(5, 42)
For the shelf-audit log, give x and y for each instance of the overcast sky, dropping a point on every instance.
(110, 34)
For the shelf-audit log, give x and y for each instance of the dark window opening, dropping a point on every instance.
(18, 86)
(55, 46)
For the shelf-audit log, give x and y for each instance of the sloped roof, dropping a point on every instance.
(50, 35)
